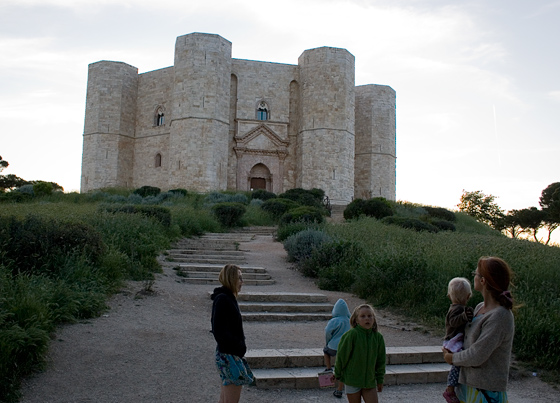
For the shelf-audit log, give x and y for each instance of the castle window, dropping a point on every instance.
(158, 160)
(160, 117)
(262, 111)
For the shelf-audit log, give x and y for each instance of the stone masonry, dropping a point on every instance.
(211, 122)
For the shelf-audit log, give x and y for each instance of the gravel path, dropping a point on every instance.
(157, 348)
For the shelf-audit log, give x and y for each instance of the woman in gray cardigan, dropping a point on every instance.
(485, 359)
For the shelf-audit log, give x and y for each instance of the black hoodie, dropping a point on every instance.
(227, 325)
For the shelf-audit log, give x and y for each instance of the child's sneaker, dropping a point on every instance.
(328, 370)
(451, 397)
(337, 393)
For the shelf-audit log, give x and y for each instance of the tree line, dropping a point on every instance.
(527, 221)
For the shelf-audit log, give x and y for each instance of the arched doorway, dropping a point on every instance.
(260, 177)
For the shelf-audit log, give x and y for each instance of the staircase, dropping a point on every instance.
(199, 260)
(284, 306)
(298, 368)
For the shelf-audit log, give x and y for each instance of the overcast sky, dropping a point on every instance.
(477, 82)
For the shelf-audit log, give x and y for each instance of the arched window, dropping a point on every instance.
(159, 119)
(262, 111)
(158, 160)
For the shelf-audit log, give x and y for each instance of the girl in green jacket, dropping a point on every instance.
(360, 359)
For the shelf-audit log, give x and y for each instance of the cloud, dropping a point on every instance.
(554, 95)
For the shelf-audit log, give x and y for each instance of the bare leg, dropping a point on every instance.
(354, 397)
(370, 395)
(327, 360)
(230, 394)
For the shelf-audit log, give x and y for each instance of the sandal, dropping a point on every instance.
(451, 397)
(337, 393)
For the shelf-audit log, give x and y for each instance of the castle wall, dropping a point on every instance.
(107, 159)
(375, 142)
(326, 137)
(154, 91)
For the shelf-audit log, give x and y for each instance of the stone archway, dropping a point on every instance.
(260, 178)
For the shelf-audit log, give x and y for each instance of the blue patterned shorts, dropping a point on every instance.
(233, 370)
(468, 394)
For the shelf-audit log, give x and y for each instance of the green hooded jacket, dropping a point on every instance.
(360, 359)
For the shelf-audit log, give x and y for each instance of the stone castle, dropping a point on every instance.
(211, 122)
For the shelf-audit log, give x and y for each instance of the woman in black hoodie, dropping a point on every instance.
(227, 327)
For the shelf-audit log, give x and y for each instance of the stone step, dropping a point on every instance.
(198, 256)
(313, 357)
(216, 268)
(205, 244)
(207, 252)
(306, 378)
(211, 281)
(214, 275)
(298, 368)
(284, 316)
(286, 307)
(218, 261)
(281, 297)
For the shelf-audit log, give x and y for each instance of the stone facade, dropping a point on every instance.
(211, 122)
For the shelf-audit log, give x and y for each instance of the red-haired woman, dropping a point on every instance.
(485, 359)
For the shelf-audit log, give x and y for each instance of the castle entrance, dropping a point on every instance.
(260, 178)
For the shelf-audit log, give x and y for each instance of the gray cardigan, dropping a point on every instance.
(486, 356)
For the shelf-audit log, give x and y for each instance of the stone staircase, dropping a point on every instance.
(284, 306)
(298, 368)
(199, 260)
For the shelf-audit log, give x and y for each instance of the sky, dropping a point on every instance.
(477, 82)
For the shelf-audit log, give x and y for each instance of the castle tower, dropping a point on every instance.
(375, 142)
(110, 120)
(199, 134)
(326, 136)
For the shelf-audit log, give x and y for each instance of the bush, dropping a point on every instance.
(278, 206)
(410, 223)
(354, 210)
(329, 254)
(228, 214)
(42, 189)
(299, 246)
(40, 246)
(179, 191)
(313, 198)
(443, 225)
(440, 212)
(217, 197)
(378, 207)
(262, 195)
(302, 214)
(285, 231)
(161, 214)
(145, 191)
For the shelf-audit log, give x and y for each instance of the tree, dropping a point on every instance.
(3, 163)
(531, 220)
(8, 182)
(510, 224)
(550, 203)
(482, 207)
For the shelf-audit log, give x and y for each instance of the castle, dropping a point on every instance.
(211, 122)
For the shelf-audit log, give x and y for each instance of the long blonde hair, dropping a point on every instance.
(229, 277)
(354, 317)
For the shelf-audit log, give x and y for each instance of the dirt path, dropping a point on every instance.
(158, 348)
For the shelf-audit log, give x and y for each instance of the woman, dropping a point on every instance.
(227, 327)
(485, 359)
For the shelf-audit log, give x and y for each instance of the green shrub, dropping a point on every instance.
(146, 191)
(443, 225)
(285, 231)
(378, 207)
(229, 214)
(440, 212)
(278, 206)
(262, 194)
(217, 197)
(36, 245)
(161, 214)
(328, 254)
(15, 197)
(354, 210)
(300, 245)
(303, 214)
(42, 189)
(179, 191)
(410, 223)
(313, 198)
